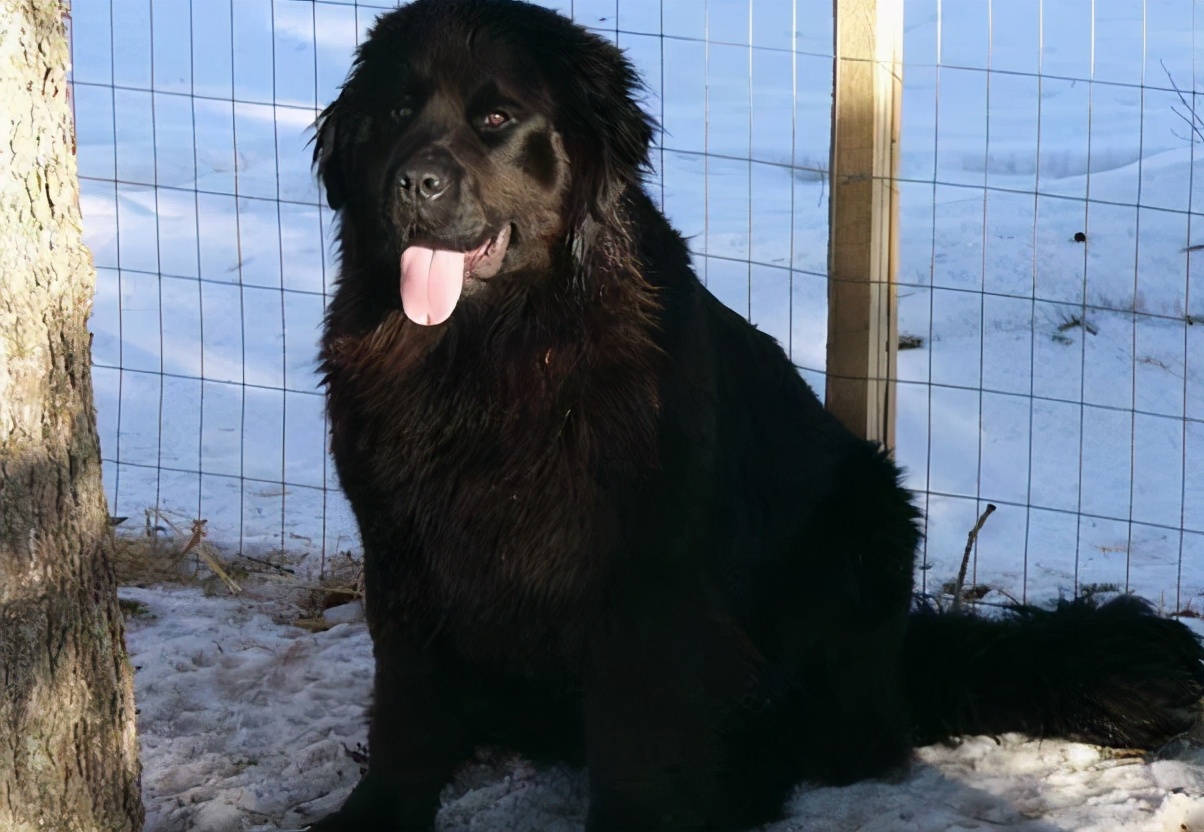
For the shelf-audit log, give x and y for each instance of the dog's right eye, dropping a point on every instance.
(403, 112)
(495, 119)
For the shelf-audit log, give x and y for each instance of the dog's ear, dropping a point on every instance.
(330, 147)
(606, 133)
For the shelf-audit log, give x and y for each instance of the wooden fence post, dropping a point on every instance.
(863, 221)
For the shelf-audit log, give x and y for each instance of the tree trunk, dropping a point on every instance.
(68, 748)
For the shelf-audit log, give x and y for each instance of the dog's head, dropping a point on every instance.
(478, 138)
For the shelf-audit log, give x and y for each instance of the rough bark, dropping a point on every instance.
(68, 749)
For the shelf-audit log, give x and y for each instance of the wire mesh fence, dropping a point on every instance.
(1055, 377)
(213, 247)
(1049, 280)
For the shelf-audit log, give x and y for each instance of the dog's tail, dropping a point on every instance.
(1114, 674)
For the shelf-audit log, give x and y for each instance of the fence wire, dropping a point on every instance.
(1056, 378)
(213, 247)
(1049, 278)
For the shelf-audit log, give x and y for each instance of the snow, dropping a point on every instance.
(214, 258)
(249, 724)
(242, 718)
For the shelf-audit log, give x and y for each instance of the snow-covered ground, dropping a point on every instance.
(213, 258)
(248, 724)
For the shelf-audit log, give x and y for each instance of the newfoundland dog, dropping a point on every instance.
(604, 520)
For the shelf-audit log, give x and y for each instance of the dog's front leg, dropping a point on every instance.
(419, 732)
(662, 684)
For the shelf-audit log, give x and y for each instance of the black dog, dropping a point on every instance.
(603, 518)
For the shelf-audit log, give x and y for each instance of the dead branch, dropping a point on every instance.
(961, 573)
(1193, 120)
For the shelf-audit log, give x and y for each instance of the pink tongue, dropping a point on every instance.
(431, 281)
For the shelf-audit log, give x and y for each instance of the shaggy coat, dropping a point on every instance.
(604, 520)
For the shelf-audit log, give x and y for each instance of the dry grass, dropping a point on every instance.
(171, 551)
(343, 583)
(148, 559)
(175, 550)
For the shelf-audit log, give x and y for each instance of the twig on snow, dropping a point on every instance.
(961, 573)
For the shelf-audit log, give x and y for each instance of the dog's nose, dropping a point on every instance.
(427, 178)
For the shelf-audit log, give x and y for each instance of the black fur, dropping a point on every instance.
(1116, 674)
(604, 520)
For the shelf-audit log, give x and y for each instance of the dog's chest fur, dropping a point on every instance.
(511, 452)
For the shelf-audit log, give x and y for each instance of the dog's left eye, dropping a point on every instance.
(495, 119)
